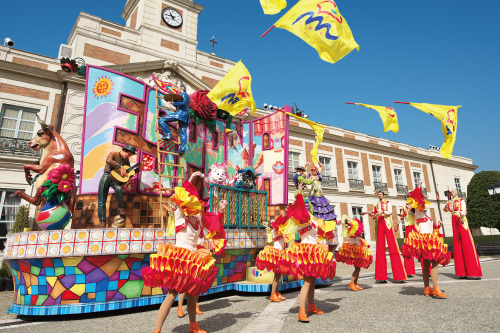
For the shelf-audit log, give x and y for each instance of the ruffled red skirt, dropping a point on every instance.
(270, 259)
(181, 270)
(426, 246)
(311, 260)
(357, 255)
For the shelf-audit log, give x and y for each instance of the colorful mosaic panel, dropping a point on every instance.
(233, 264)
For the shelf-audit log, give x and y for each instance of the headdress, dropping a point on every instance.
(186, 197)
(416, 199)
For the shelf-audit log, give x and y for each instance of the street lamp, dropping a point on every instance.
(494, 189)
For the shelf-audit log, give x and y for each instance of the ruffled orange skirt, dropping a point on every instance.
(357, 255)
(270, 259)
(311, 260)
(426, 246)
(181, 270)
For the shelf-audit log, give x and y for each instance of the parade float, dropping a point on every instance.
(82, 267)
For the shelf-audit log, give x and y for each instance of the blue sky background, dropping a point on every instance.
(440, 52)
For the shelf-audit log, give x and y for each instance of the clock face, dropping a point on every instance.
(171, 17)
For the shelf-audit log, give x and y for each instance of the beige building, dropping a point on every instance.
(160, 36)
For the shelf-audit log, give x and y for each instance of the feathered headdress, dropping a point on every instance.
(416, 199)
(186, 197)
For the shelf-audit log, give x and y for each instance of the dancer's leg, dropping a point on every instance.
(310, 294)
(434, 273)
(355, 275)
(304, 291)
(425, 271)
(165, 309)
(180, 301)
(191, 307)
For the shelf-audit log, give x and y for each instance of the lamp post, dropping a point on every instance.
(494, 190)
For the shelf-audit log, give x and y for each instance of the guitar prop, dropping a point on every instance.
(117, 177)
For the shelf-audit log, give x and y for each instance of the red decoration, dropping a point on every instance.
(278, 167)
(68, 66)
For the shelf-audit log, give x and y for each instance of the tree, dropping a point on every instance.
(22, 219)
(483, 210)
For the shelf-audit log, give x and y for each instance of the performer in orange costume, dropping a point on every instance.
(466, 259)
(409, 214)
(382, 213)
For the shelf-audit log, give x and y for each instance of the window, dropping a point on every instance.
(398, 175)
(356, 214)
(327, 166)
(17, 123)
(352, 168)
(293, 161)
(377, 174)
(457, 185)
(265, 141)
(215, 140)
(416, 178)
(8, 207)
(192, 131)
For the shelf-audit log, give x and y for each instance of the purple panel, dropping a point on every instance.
(42, 272)
(86, 267)
(22, 282)
(244, 258)
(58, 300)
(165, 290)
(95, 276)
(238, 267)
(110, 294)
(134, 277)
(217, 260)
(49, 301)
(144, 265)
(68, 281)
(49, 288)
(118, 296)
(230, 272)
(115, 276)
(24, 261)
(137, 272)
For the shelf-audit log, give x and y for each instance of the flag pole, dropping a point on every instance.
(265, 33)
(402, 102)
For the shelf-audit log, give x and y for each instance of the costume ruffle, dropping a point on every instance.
(270, 259)
(357, 255)
(426, 246)
(220, 247)
(298, 211)
(322, 208)
(311, 260)
(180, 269)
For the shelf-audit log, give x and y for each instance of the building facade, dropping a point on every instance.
(355, 164)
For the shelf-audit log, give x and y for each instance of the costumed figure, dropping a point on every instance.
(272, 256)
(426, 243)
(464, 252)
(308, 258)
(246, 179)
(55, 179)
(409, 213)
(216, 175)
(183, 267)
(181, 116)
(356, 251)
(319, 205)
(382, 214)
(207, 110)
(116, 163)
(301, 177)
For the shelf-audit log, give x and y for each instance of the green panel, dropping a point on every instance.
(22, 299)
(122, 256)
(132, 289)
(59, 271)
(35, 270)
(78, 271)
(236, 252)
(220, 272)
(41, 299)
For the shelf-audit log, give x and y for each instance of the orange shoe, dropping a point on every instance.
(302, 316)
(428, 291)
(180, 313)
(198, 311)
(280, 296)
(156, 331)
(353, 287)
(311, 308)
(436, 292)
(359, 287)
(274, 298)
(194, 328)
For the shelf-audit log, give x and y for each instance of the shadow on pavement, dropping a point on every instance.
(327, 305)
(221, 321)
(450, 275)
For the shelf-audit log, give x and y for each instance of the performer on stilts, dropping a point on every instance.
(382, 214)
(426, 243)
(296, 257)
(272, 256)
(356, 251)
(465, 254)
(409, 213)
(169, 266)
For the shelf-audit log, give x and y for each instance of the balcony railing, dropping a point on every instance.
(14, 146)
(424, 191)
(462, 195)
(380, 187)
(290, 176)
(329, 181)
(356, 184)
(402, 189)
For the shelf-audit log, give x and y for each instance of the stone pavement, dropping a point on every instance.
(472, 306)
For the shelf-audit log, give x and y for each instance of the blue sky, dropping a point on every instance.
(440, 52)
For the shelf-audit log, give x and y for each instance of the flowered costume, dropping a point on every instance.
(425, 242)
(308, 258)
(271, 257)
(183, 267)
(319, 205)
(357, 251)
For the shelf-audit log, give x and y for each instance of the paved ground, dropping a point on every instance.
(472, 306)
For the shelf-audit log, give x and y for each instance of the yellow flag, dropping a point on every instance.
(447, 115)
(272, 7)
(318, 129)
(233, 93)
(388, 115)
(320, 25)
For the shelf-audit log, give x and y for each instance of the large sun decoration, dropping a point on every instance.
(102, 87)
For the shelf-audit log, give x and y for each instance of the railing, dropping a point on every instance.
(380, 187)
(401, 189)
(290, 176)
(14, 146)
(356, 184)
(424, 191)
(462, 195)
(245, 209)
(329, 181)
